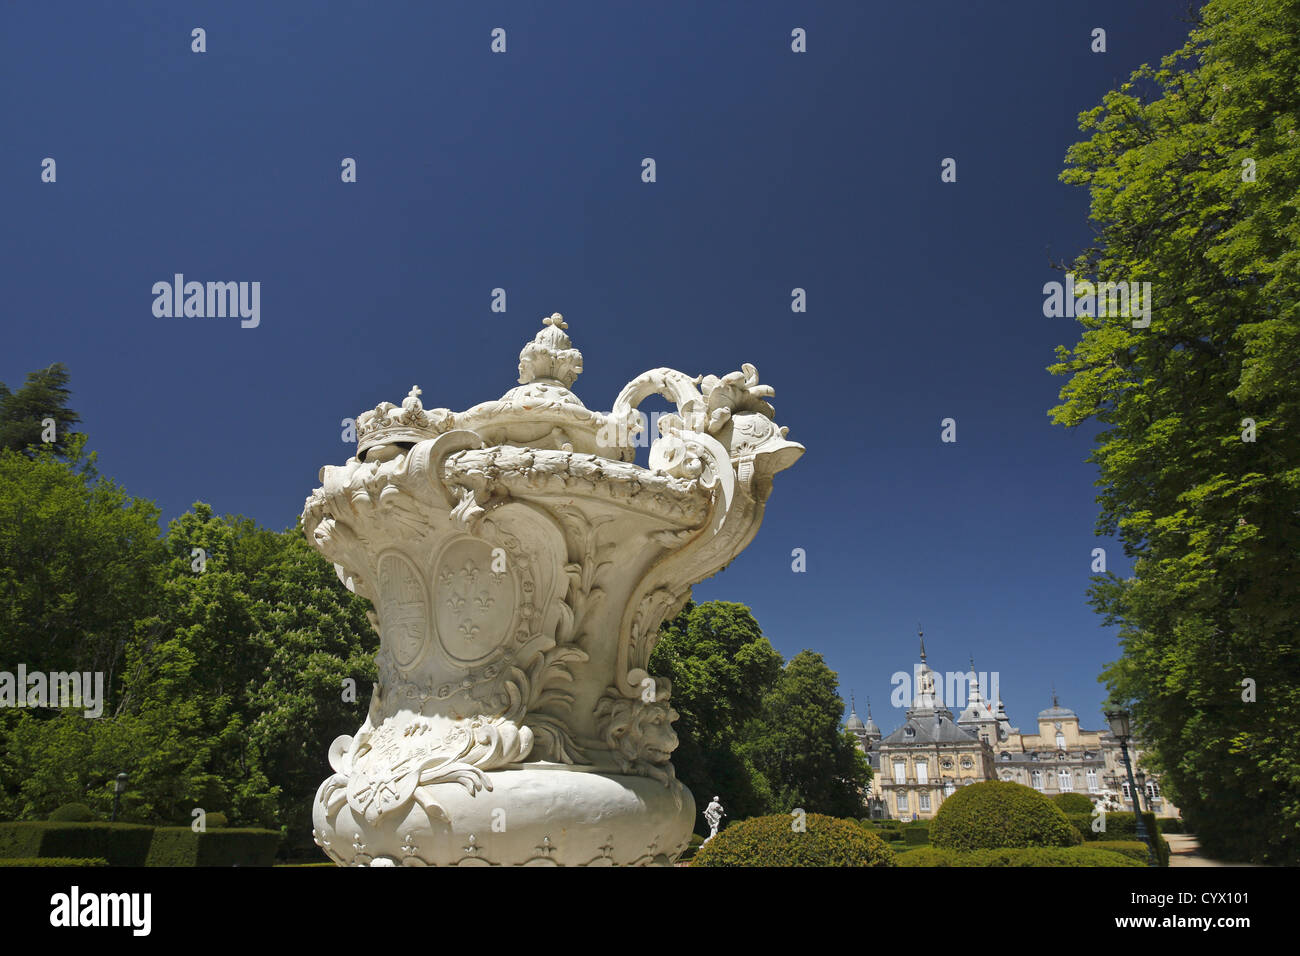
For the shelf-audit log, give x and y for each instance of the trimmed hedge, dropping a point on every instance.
(181, 846)
(129, 844)
(995, 814)
(1122, 826)
(72, 813)
(1134, 849)
(121, 844)
(1080, 856)
(770, 841)
(1072, 803)
(916, 835)
(55, 861)
(1172, 824)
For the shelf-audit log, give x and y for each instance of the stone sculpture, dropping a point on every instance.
(520, 563)
(713, 817)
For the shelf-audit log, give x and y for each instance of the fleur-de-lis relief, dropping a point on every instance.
(408, 844)
(607, 850)
(468, 628)
(483, 600)
(455, 602)
(545, 847)
(473, 847)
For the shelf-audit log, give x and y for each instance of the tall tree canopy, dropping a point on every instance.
(763, 736)
(1194, 176)
(799, 754)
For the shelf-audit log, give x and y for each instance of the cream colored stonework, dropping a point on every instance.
(520, 563)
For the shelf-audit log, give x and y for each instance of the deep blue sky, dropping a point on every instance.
(522, 170)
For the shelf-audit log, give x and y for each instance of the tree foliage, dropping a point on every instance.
(763, 735)
(24, 414)
(1194, 175)
(225, 649)
(799, 755)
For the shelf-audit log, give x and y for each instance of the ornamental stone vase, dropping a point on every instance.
(520, 563)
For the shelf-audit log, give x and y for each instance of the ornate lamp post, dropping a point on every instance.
(520, 563)
(119, 788)
(1119, 729)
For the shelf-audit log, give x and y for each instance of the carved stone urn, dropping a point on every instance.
(520, 563)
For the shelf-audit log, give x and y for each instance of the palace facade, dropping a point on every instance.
(932, 754)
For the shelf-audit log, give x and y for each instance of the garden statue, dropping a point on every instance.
(713, 817)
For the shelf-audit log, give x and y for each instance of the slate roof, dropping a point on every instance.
(930, 729)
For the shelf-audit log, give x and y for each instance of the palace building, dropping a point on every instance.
(932, 754)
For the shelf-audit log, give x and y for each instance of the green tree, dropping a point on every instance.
(258, 632)
(230, 680)
(764, 736)
(1194, 176)
(721, 666)
(24, 413)
(80, 562)
(796, 749)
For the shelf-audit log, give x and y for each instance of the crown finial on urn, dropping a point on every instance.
(550, 356)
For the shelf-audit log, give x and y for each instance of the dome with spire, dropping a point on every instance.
(854, 723)
(1056, 711)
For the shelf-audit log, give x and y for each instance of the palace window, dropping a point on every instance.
(1037, 777)
(948, 788)
(1066, 781)
(902, 801)
(925, 801)
(1153, 790)
(900, 771)
(922, 771)
(1060, 740)
(1127, 793)
(1092, 781)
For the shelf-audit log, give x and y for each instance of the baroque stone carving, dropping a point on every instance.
(520, 563)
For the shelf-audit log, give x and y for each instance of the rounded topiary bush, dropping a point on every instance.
(215, 821)
(993, 814)
(73, 813)
(772, 841)
(1073, 803)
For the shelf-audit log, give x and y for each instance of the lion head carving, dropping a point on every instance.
(639, 733)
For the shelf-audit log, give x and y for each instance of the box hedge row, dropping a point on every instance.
(1071, 856)
(127, 844)
(1121, 826)
(55, 861)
